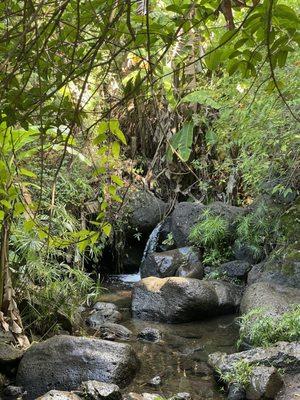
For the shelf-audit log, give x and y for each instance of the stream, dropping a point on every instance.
(180, 358)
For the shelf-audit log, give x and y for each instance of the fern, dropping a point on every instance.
(212, 234)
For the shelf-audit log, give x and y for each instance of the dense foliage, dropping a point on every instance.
(190, 98)
(265, 330)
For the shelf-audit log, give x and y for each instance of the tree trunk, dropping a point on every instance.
(10, 315)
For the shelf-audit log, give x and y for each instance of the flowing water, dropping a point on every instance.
(180, 358)
(152, 241)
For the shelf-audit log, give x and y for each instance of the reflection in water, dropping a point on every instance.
(180, 358)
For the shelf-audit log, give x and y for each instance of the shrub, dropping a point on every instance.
(262, 330)
(49, 289)
(212, 234)
(260, 231)
(240, 374)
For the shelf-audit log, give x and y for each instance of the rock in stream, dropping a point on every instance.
(176, 299)
(64, 362)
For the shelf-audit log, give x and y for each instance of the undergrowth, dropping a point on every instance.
(212, 234)
(261, 330)
(240, 373)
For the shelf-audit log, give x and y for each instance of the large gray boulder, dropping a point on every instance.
(59, 395)
(10, 356)
(291, 388)
(281, 355)
(187, 214)
(183, 218)
(184, 261)
(273, 299)
(178, 299)
(265, 383)
(143, 210)
(284, 271)
(64, 362)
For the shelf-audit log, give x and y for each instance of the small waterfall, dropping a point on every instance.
(152, 242)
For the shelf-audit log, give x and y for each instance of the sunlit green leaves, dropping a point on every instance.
(203, 96)
(181, 143)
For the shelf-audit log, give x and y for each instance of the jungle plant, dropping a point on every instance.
(212, 234)
(240, 373)
(264, 330)
(259, 231)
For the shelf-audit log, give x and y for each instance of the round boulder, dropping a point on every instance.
(144, 210)
(273, 299)
(103, 312)
(177, 299)
(110, 331)
(150, 335)
(64, 362)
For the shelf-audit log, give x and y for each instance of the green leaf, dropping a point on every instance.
(5, 203)
(2, 214)
(100, 138)
(28, 225)
(115, 149)
(203, 96)
(186, 141)
(120, 135)
(102, 128)
(26, 172)
(181, 143)
(106, 229)
(214, 59)
(117, 180)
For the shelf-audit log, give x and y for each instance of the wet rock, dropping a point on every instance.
(184, 261)
(283, 270)
(183, 218)
(133, 396)
(143, 396)
(63, 362)
(182, 396)
(177, 299)
(10, 357)
(13, 392)
(59, 395)
(111, 331)
(151, 396)
(281, 355)
(265, 382)
(236, 392)
(244, 252)
(156, 381)
(103, 312)
(150, 335)
(94, 390)
(194, 271)
(273, 299)
(143, 210)
(291, 388)
(236, 269)
(255, 274)
(187, 214)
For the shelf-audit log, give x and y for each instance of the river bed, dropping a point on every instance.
(180, 358)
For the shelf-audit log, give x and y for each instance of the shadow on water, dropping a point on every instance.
(180, 358)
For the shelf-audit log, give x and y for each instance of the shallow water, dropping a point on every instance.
(180, 358)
